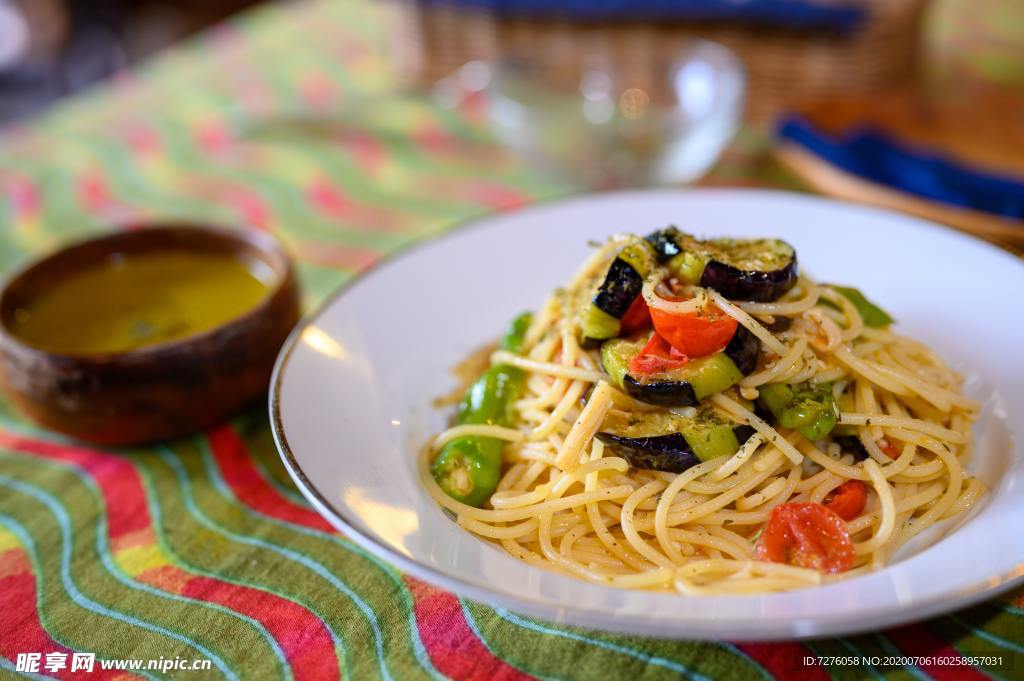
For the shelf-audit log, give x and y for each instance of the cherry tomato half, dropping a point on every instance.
(695, 334)
(656, 356)
(890, 450)
(806, 535)
(847, 501)
(637, 317)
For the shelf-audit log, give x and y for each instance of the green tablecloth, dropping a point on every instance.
(203, 549)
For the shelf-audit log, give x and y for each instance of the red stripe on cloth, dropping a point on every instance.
(367, 151)
(14, 562)
(318, 90)
(329, 199)
(918, 641)
(250, 206)
(93, 190)
(24, 196)
(785, 660)
(333, 201)
(212, 136)
(453, 647)
(251, 487)
(143, 537)
(167, 578)
(143, 139)
(434, 139)
(494, 195)
(303, 637)
(127, 511)
(23, 630)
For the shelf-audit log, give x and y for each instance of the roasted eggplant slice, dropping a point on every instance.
(761, 270)
(688, 385)
(667, 243)
(743, 349)
(615, 292)
(852, 444)
(665, 441)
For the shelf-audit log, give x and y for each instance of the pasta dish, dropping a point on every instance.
(697, 415)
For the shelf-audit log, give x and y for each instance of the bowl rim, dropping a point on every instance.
(266, 245)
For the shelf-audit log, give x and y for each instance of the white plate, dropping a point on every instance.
(351, 396)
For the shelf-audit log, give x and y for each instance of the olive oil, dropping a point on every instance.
(133, 300)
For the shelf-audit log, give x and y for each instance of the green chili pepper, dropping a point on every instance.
(806, 407)
(513, 338)
(872, 315)
(468, 468)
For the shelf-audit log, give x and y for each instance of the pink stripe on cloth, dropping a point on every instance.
(494, 195)
(333, 201)
(367, 150)
(452, 645)
(93, 190)
(24, 197)
(333, 255)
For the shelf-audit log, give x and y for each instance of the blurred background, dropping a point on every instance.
(849, 96)
(796, 50)
(52, 48)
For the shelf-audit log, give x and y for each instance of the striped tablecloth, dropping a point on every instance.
(290, 120)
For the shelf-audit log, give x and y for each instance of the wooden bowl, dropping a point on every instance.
(155, 392)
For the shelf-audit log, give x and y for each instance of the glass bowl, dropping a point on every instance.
(613, 124)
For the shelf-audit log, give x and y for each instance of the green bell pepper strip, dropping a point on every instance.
(872, 315)
(808, 408)
(515, 336)
(468, 468)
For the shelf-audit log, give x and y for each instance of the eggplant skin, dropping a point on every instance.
(619, 289)
(743, 433)
(852, 443)
(780, 324)
(743, 350)
(670, 453)
(661, 393)
(686, 386)
(666, 243)
(756, 286)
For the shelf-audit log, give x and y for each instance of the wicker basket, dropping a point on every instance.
(786, 68)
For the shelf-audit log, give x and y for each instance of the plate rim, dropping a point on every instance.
(879, 617)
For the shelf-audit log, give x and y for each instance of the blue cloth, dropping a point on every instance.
(791, 14)
(870, 154)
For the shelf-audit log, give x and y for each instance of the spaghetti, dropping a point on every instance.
(790, 503)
